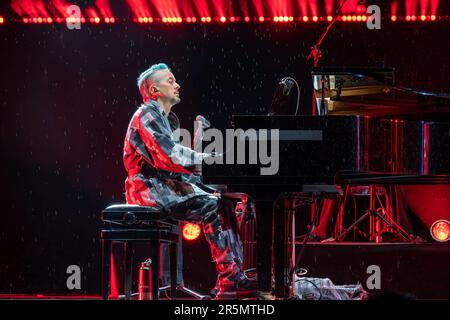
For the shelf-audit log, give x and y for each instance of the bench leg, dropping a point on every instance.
(154, 254)
(128, 252)
(106, 268)
(173, 248)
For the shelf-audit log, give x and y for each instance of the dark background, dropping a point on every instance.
(66, 98)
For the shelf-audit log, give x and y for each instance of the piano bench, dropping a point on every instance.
(127, 224)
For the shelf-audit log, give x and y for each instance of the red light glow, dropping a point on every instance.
(440, 230)
(191, 231)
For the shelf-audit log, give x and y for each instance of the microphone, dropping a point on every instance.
(205, 123)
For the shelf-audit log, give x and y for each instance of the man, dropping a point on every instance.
(163, 173)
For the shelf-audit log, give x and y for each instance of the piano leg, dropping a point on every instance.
(264, 243)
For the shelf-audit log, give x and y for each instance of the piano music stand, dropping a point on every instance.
(375, 217)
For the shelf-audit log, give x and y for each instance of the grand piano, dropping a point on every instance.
(364, 124)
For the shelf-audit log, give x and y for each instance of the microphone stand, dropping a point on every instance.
(316, 55)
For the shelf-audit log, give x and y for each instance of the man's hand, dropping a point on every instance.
(196, 169)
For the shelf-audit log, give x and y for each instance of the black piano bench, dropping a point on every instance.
(127, 224)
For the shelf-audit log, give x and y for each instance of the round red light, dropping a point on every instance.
(440, 230)
(191, 231)
(261, 19)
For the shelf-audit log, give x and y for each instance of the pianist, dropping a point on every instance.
(163, 173)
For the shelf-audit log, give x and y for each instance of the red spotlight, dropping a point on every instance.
(112, 20)
(107, 20)
(141, 20)
(305, 18)
(223, 19)
(208, 19)
(329, 18)
(275, 19)
(353, 18)
(315, 18)
(413, 18)
(423, 17)
(433, 17)
(145, 20)
(203, 19)
(194, 19)
(25, 20)
(291, 18)
(358, 18)
(393, 18)
(179, 19)
(188, 20)
(169, 20)
(97, 20)
(408, 18)
(440, 230)
(344, 18)
(247, 19)
(191, 231)
(83, 20)
(49, 20)
(261, 19)
(232, 19)
(2, 20)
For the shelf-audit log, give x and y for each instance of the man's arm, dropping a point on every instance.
(159, 141)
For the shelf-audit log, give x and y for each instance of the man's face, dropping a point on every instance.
(167, 87)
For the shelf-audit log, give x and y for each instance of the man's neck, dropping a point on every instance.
(166, 107)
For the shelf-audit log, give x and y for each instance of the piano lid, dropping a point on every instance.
(372, 92)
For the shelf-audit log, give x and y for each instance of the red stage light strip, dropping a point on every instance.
(105, 10)
(280, 8)
(140, 9)
(433, 8)
(259, 8)
(303, 5)
(329, 7)
(202, 8)
(29, 8)
(167, 9)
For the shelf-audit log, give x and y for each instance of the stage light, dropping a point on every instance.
(208, 19)
(97, 20)
(83, 20)
(191, 231)
(408, 18)
(2, 20)
(223, 19)
(358, 18)
(188, 20)
(440, 230)
(315, 18)
(107, 20)
(433, 17)
(423, 17)
(261, 19)
(25, 20)
(305, 18)
(275, 19)
(232, 19)
(49, 20)
(194, 19)
(285, 18)
(353, 18)
(393, 18)
(329, 18)
(364, 18)
(344, 18)
(179, 19)
(169, 20)
(413, 18)
(291, 18)
(247, 19)
(141, 20)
